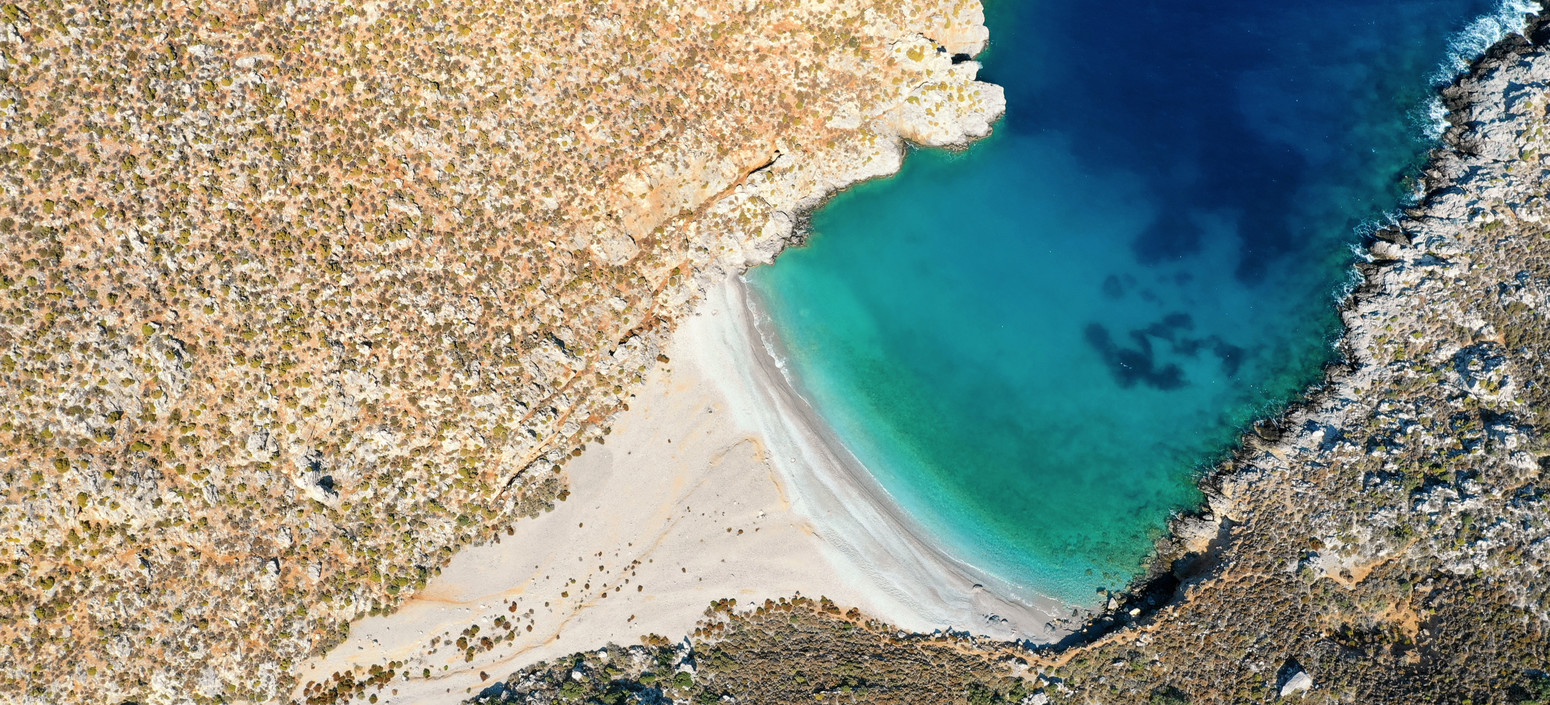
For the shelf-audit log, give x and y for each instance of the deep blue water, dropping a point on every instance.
(1038, 343)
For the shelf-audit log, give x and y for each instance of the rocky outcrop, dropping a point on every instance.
(1297, 683)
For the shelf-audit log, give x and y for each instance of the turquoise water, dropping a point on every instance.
(1038, 343)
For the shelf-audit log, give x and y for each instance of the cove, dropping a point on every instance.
(1037, 344)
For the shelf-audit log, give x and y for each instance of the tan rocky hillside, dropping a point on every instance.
(298, 297)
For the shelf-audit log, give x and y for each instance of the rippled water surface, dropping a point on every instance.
(1036, 344)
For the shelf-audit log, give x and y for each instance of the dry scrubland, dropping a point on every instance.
(297, 298)
(1389, 542)
(786, 651)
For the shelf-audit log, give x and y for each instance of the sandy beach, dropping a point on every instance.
(864, 531)
(718, 482)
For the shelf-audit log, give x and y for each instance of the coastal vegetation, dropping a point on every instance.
(825, 655)
(299, 298)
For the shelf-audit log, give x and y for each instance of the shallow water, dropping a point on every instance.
(1036, 344)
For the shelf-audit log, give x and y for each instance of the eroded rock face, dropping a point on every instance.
(344, 284)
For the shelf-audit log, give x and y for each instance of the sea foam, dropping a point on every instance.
(1470, 44)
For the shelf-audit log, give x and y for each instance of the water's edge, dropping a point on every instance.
(921, 584)
(1174, 565)
(1170, 565)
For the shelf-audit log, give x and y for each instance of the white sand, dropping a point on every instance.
(681, 506)
(864, 532)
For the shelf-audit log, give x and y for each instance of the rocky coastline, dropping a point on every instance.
(1192, 547)
(1469, 101)
(1382, 541)
(1385, 509)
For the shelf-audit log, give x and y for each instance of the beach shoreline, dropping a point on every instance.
(684, 503)
(862, 526)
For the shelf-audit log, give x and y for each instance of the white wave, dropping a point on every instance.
(1474, 40)
(764, 325)
(1464, 47)
(1433, 118)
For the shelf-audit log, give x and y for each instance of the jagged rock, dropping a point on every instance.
(1298, 682)
(1483, 370)
(269, 574)
(1196, 533)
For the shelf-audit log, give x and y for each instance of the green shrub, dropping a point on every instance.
(1535, 692)
(1168, 695)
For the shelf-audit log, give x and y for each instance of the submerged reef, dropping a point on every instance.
(1386, 541)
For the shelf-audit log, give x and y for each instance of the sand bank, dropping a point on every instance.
(718, 482)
